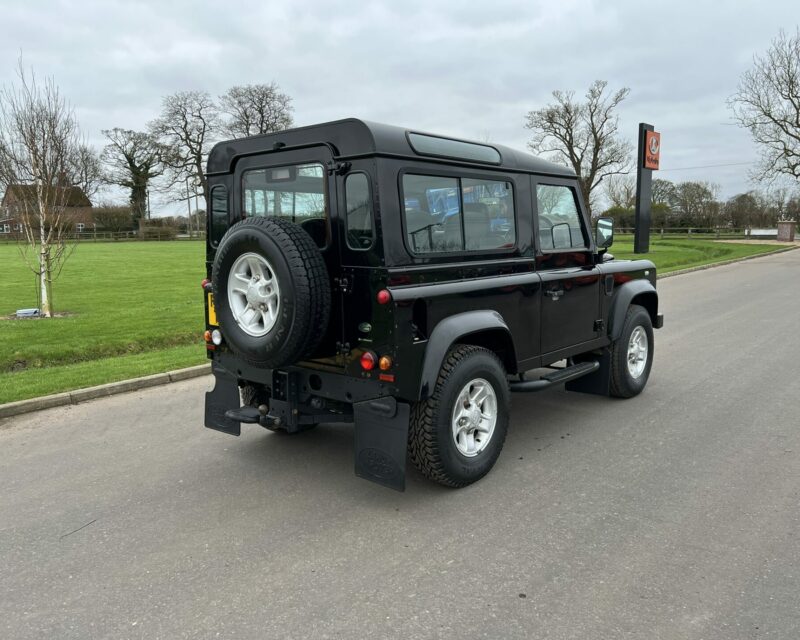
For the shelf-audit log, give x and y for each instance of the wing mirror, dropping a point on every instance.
(604, 234)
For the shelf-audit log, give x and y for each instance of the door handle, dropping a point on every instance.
(555, 294)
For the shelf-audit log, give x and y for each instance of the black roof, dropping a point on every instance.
(353, 137)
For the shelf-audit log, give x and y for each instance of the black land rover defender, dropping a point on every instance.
(406, 282)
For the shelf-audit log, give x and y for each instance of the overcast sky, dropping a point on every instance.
(470, 69)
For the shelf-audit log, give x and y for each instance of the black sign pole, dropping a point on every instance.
(644, 195)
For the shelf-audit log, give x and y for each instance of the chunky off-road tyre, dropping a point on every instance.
(632, 354)
(284, 320)
(450, 439)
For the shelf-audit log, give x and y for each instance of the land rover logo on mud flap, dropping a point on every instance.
(377, 463)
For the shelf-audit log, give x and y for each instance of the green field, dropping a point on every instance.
(135, 308)
(674, 254)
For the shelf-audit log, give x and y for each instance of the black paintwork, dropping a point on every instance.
(530, 305)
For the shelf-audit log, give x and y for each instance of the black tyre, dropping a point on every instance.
(456, 435)
(271, 292)
(632, 354)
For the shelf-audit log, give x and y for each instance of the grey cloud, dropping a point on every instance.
(465, 68)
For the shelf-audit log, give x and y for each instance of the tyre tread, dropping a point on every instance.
(311, 288)
(423, 443)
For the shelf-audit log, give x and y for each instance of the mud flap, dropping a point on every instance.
(223, 397)
(597, 383)
(381, 441)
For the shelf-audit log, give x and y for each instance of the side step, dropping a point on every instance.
(556, 377)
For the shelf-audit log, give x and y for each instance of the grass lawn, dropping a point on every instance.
(136, 308)
(674, 254)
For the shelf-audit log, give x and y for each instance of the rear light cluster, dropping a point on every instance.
(214, 337)
(369, 360)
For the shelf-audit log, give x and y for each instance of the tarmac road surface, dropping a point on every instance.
(672, 515)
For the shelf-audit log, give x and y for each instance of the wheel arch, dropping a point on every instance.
(483, 328)
(640, 292)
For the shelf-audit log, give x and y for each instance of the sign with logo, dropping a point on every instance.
(652, 149)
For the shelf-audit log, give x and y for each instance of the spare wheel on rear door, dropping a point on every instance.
(271, 292)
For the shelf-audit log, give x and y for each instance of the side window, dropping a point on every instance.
(560, 225)
(488, 214)
(219, 214)
(358, 202)
(444, 214)
(432, 214)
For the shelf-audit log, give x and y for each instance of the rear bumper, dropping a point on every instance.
(317, 382)
(381, 421)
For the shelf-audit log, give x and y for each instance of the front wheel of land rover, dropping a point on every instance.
(456, 434)
(632, 354)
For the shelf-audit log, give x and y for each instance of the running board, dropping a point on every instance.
(556, 377)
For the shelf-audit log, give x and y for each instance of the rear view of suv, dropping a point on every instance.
(405, 282)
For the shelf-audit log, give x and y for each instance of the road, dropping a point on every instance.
(672, 515)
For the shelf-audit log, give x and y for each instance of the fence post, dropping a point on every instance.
(717, 233)
(690, 232)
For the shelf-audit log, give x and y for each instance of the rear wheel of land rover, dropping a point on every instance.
(271, 292)
(456, 435)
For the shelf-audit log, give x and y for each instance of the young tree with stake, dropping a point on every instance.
(42, 161)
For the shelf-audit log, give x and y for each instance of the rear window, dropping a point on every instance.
(449, 214)
(293, 192)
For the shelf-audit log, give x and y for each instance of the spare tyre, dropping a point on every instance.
(271, 292)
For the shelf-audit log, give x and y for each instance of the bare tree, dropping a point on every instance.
(767, 103)
(621, 191)
(695, 204)
(662, 191)
(254, 109)
(583, 135)
(133, 158)
(43, 160)
(187, 127)
(87, 171)
(113, 218)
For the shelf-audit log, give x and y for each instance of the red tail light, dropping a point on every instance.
(368, 361)
(384, 296)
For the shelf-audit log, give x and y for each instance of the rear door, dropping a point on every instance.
(296, 186)
(361, 253)
(565, 261)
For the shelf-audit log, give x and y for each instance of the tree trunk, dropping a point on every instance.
(45, 283)
(139, 201)
(587, 194)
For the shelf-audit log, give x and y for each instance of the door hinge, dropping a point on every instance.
(338, 168)
(343, 284)
(343, 348)
(599, 325)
